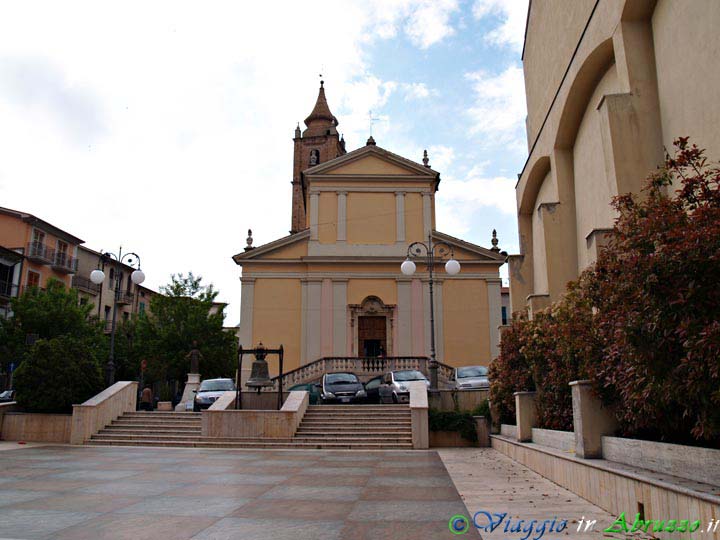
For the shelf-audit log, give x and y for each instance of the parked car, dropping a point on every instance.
(7, 396)
(394, 387)
(209, 391)
(471, 378)
(311, 388)
(341, 388)
(372, 389)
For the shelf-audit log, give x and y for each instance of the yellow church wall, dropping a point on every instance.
(465, 322)
(414, 218)
(371, 218)
(293, 251)
(276, 309)
(257, 268)
(359, 289)
(368, 182)
(327, 218)
(371, 165)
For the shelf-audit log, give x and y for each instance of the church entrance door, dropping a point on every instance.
(372, 335)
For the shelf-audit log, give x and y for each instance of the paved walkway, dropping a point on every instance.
(489, 481)
(94, 493)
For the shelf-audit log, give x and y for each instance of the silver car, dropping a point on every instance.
(394, 386)
(471, 378)
(209, 391)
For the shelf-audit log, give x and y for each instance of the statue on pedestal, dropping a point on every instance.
(194, 356)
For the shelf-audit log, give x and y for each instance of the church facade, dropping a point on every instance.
(333, 287)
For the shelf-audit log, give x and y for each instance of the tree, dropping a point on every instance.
(57, 373)
(182, 314)
(47, 314)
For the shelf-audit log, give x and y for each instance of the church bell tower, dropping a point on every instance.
(319, 143)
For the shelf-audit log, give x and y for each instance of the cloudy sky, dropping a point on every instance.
(167, 126)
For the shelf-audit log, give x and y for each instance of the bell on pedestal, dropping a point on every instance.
(260, 374)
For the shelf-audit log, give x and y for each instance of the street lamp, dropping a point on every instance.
(97, 276)
(432, 252)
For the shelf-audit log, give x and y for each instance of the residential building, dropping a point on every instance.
(333, 287)
(33, 251)
(133, 299)
(609, 84)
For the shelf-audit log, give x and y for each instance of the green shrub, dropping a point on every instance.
(462, 422)
(56, 374)
(483, 409)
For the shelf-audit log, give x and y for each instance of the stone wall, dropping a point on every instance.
(31, 427)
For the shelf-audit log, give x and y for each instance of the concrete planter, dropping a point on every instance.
(448, 439)
(691, 462)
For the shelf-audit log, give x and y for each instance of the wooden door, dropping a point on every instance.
(372, 336)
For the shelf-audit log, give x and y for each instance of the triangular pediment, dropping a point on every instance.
(371, 160)
(468, 250)
(289, 247)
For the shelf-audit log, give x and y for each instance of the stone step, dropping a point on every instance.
(133, 425)
(353, 407)
(344, 429)
(207, 443)
(316, 416)
(140, 431)
(360, 438)
(162, 415)
(357, 422)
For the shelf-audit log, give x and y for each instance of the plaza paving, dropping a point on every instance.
(78, 493)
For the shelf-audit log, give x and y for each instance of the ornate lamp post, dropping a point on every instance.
(97, 276)
(431, 252)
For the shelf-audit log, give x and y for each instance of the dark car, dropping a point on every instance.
(341, 388)
(310, 388)
(7, 396)
(372, 388)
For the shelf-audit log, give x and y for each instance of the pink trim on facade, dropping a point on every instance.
(326, 318)
(395, 335)
(418, 333)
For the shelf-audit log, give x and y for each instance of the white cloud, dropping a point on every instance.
(499, 111)
(167, 128)
(430, 22)
(417, 91)
(512, 15)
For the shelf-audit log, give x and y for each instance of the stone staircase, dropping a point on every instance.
(323, 426)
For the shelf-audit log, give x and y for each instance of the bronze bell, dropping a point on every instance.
(260, 374)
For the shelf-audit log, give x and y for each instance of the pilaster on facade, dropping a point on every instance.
(340, 317)
(245, 333)
(342, 216)
(427, 213)
(314, 214)
(495, 315)
(312, 316)
(400, 215)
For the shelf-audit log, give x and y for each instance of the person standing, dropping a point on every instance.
(146, 399)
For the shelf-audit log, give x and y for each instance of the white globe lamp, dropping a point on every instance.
(137, 277)
(407, 267)
(452, 267)
(97, 276)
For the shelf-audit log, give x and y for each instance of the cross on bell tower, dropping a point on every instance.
(320, 142)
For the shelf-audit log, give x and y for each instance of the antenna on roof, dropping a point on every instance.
(372, 119)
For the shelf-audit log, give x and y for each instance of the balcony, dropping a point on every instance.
(85, 285)
(39, 253)
(8, 290)
(124, 298)
(64, 263)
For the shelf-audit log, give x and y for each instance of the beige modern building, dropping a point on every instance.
(609, 84)
(333, 287)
